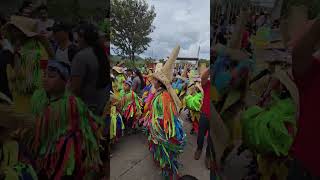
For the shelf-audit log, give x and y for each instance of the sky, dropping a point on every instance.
(183, 22)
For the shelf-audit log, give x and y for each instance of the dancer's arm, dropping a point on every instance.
(205, 77)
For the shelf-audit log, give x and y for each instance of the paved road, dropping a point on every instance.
(132, 160)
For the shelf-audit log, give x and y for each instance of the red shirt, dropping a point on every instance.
(245, 39)
(206, 99)
(306, 146)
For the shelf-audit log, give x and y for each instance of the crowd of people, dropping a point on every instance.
(63, 109)
(263, 90)
(151, 100)
(55, 81)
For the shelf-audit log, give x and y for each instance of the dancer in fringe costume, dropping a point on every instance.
(268, 128)
(116, 122)
(30, 59)
(194, 101)
(167, 138)
(119, 78)
(231, 73)
(182, 87)
(130, 106)
(65, 140)
(145, 121)
(11, 168)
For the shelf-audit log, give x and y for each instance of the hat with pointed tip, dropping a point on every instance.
(165, 75)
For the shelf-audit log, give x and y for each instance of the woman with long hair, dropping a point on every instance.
(138, 82)
(90, 69)
(90, 78)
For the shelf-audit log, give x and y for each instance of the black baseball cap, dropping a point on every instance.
(60, 26)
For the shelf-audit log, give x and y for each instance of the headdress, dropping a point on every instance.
(165, 76)
(24, 24)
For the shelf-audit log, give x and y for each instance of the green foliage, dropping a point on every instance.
(313, 7)
(201, 61)
(104, 26)
(131, 25)
(74, 10)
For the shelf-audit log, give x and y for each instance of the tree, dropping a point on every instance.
(312, 5)
(131, 25)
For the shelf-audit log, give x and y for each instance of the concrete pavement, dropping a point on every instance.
(132, 160)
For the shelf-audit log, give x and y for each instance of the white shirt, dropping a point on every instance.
(43, 25)
(62, 55)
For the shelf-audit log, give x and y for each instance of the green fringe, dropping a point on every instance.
(264, 129)
(27, 72)
(58, 126)
(194, 102)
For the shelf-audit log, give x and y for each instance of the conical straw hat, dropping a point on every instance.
(165, 76)
(158, 67)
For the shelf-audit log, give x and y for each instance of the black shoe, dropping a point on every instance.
(192, 131)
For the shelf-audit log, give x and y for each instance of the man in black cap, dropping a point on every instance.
(65, 49)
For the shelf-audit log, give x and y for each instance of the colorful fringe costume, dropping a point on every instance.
(65, 141)
(147, 110)
(166, 138)
(119, 82)
(116, 121)
(194, 103)
(178, 86)
(229, 85)
(265, 132)
(116, 125)
(11, 167)
(26, 75)
(131, 110)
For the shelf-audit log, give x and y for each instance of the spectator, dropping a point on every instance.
(65, 49)
(27, 9)
(138, 83)
(306, 73)
(204, 120)
(262, 20)
(44, 22)
(90, 67)
(6, 58)
(129, 74)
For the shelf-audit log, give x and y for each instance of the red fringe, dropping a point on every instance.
(74, 116)
(65, 159)
(167, 103)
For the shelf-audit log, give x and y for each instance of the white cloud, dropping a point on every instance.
(184, 22)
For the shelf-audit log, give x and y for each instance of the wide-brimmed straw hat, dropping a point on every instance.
(118, 69)
(165, 76)
(24, 24)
